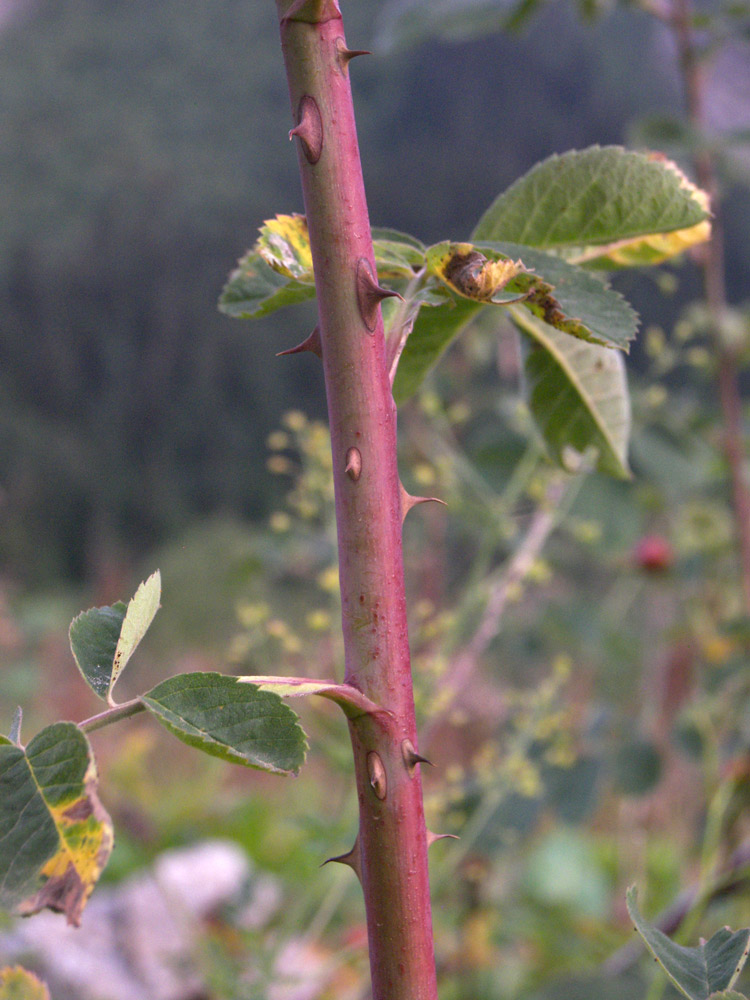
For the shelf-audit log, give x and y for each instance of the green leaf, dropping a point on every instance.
(19, 984)
(254, 289)
(595, 197)
(435, 328)
(104, 639)
(699, 972)
(397, 255)
(94, 635)
(577, 394)
(231, 719)
(55, 836)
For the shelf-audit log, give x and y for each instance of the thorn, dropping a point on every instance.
(346, 55)
(353, 464)
(376, 772)
(311, 343)
(309, 128)
(411, 757)
(408, 501)
(370, 294)
(351, 859)
(432, 837)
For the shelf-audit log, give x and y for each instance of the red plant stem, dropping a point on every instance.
(730, 398)
(390, 855)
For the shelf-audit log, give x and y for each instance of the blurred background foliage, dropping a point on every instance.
(580, 644)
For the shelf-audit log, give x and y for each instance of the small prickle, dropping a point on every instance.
(346, 55)
(408, 501)
(432, 837)
(309, 128)
(411, 757)
(351, 859)
(353, 467)
(370, 294)
(377, 774)
(311, 343)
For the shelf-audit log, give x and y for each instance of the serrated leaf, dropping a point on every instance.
(699, 972)
(721, 995)
(605, 197)
(254, 289)
(17, 983)
(564, 296)
(103, 639)
(55, 835)
(230, 719)
(578, 396)
(284, 243)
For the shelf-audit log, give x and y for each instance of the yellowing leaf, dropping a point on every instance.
(652, 248)
(471, 274)
(17, 983)
(284, 243)
(55, 833)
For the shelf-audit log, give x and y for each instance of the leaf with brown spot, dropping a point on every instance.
(55, 835)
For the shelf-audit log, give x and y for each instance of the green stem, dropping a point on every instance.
(111, 715)
(390, 855)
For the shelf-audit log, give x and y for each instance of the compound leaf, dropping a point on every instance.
(712, 967)
(55, 835)
(228, 718)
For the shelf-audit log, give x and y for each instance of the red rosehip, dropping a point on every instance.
(653, 554)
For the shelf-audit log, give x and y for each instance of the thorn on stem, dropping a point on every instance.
(377, 774)
(351, 859)
(309, 128)
(408, 501)
(411, 757)
(432, 837)
(346, 55)
(370, 294)
(311, 343)
(353, 464)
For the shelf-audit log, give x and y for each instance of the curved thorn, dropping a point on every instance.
(370, 294)
(432, 837)
(408, 501)
(411, 757)
(311, 343)
(351, 859)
